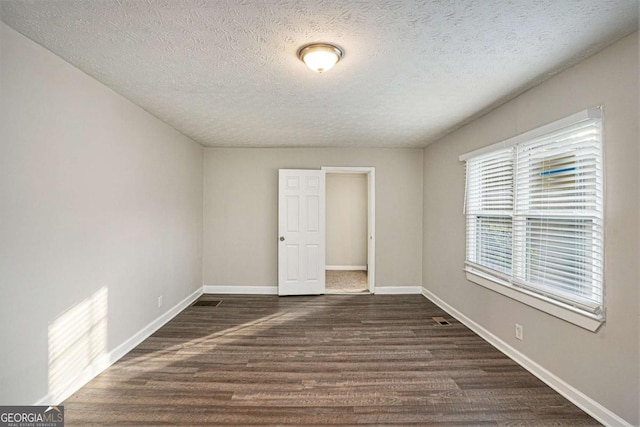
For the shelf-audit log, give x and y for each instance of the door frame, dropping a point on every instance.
(370, 171)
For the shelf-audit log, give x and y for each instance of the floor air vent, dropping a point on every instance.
(441, 321)
(206, 303)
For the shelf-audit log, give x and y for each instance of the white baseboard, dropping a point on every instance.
(255, 290)
(273, 290)
(108, 359)
(346, 267)
(397, 290)
(584, 402)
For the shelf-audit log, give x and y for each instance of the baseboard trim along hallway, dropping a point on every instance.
(397, 290)
(240, 290)
(273, 290)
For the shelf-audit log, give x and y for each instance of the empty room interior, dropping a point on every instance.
(321, 212)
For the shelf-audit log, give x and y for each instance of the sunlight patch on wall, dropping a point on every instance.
(77, 341)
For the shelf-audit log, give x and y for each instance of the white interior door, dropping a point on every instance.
(301, 232)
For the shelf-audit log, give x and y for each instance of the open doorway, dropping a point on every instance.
(349, 230)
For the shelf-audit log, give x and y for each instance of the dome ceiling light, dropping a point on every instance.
(320, 57)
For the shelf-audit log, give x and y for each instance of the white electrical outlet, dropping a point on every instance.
(519, 332)
(160, 301)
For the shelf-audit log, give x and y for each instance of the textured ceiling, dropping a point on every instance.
(225, 73)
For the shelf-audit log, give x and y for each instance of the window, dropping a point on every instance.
(534, 217)
(490, 211)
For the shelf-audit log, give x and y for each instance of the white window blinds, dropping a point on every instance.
(489, 210)
(534, 208)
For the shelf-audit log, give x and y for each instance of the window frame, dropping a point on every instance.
(570, 310)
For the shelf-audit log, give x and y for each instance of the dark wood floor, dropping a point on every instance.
(335, 359)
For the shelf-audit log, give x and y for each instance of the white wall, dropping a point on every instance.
(241, 211)
(602, 365)
(346, 219)
(100, 213)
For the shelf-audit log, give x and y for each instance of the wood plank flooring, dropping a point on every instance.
(334, 359)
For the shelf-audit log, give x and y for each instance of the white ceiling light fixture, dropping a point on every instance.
(320, 57)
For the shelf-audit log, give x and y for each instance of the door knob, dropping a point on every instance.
(282, 238)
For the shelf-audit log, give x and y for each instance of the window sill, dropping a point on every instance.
(565, 312)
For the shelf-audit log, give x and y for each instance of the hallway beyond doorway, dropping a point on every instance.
(346, 281)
